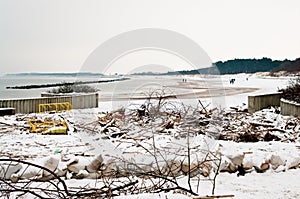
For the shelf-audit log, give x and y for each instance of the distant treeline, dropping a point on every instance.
(244, 66)
(57, 74)
(248, 65)
(291, 66)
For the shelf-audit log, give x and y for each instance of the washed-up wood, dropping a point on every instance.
(212, 197)
(256, 124)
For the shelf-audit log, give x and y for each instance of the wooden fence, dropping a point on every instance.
(289, 108)
(258, 102)
(31, 105)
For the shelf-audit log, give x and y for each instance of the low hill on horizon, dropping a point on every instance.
(235, 66)
(291, 66)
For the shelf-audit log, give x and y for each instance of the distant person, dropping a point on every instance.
(231, 81)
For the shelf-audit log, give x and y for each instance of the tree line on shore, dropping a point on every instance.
(235, 66)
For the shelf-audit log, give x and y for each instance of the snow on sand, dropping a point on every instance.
(281, 181)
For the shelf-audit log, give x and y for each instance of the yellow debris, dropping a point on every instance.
(47, 126)
(63, 106)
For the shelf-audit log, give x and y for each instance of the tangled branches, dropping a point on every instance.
(51, 187)
(167, 152)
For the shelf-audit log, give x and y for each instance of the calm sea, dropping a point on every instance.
(135, 85)
(30, 80)
(125, 87)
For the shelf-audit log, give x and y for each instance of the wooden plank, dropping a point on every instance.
(212, 197)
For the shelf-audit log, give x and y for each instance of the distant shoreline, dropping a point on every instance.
(56, 74)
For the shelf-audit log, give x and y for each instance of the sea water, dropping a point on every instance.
(16, 80)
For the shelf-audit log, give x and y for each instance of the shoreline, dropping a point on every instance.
(189, 95)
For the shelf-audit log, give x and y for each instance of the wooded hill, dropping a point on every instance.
(245, 66)
(291, 66)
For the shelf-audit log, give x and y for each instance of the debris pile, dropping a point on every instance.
(265, 125)
(168, 140)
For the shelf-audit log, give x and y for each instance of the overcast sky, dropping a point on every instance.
(59, 35)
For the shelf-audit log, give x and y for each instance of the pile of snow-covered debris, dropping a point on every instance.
(138, 130)
(146, 141)
(265, 125)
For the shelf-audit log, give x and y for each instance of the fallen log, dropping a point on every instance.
(273, 129)
(257, 124)
(214, 196)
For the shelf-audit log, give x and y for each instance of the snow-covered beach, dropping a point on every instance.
(90, 136)
(212, 89)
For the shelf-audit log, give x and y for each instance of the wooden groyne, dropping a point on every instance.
(64, 84)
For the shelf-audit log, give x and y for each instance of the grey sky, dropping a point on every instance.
(57, 35)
